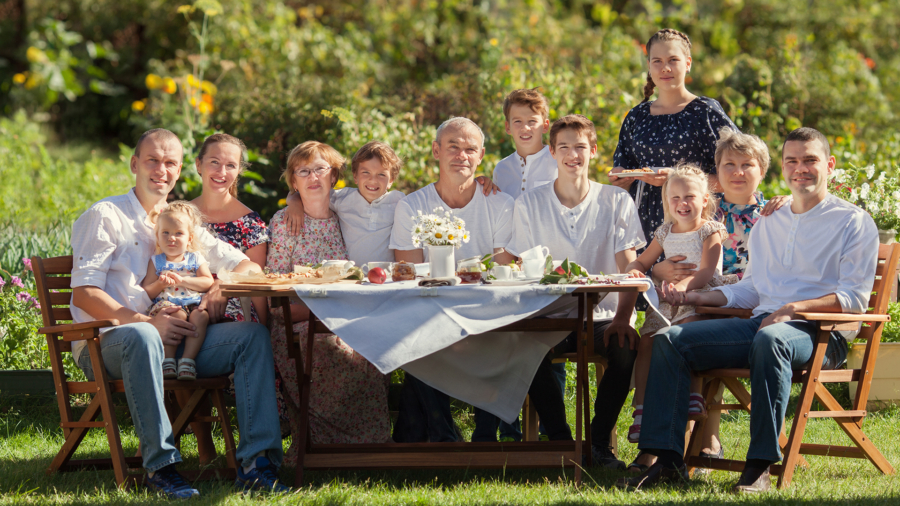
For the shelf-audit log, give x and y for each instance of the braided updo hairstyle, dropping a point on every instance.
(664, 35)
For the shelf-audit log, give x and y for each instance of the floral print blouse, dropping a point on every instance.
(243, 233)
(664, 140)
(738, 220)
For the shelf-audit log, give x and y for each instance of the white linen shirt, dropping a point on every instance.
(112, 243)
(515, 175)
(832, 248)
(488, 220)
(366, 227)
(590, 234)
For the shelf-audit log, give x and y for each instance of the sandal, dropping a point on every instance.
(634, 432)
(187, 370)
(701, 471)
(169, 369)
(636, 467)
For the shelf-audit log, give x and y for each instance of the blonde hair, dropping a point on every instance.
(309, 150)
(180, 207)
(380, 151)
(531, 98)
(745, 144)
(664, 35)
(690, 173)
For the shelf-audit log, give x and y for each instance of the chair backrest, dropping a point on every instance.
(888, 256)
(53, 277)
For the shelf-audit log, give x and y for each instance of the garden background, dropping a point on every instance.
(80, 79)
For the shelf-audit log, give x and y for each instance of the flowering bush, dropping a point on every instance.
(21, 347)
(881, 198)
(439, 229)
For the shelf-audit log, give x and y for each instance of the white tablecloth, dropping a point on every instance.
(424, 331)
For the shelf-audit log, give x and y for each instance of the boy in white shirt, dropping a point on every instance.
(531, 165)
(597, 227)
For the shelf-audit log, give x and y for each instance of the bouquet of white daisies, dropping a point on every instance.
(439, 229)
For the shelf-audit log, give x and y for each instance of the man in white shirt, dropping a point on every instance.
(531, 165)
(112, 243)
(459, 149)
(597, 227)
(816, 255)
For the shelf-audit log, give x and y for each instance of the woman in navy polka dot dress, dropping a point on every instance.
(677, 127)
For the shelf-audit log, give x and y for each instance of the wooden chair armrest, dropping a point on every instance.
(71, 327)
(724, 311)
(845, 317)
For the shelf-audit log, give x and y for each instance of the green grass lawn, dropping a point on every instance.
(30, 436)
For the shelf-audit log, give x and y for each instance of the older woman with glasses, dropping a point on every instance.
(348, 397)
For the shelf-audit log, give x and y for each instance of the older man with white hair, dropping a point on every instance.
(459, 149)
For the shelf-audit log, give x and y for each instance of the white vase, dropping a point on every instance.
(442, 262)
(886, 236)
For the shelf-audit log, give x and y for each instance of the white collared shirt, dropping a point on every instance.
(112, 243)
(515, 175)
(488, 220)
(832, 248)
(590, 234)
(366, 227)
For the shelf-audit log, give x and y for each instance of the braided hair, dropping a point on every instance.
(664, 35)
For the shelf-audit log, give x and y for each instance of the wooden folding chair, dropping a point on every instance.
(53, 278)
(813, 379)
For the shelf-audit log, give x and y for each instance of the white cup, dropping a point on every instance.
(423, 270)
(536, 253)
(533, 268)
(371, 265)
(502, 272)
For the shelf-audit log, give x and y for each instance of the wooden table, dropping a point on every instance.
(448, 455)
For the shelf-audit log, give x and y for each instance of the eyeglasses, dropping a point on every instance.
(306, 172)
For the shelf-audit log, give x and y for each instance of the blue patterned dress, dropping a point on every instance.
(664, 140)
(738, 220)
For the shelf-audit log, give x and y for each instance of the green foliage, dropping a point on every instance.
(20, 345)
(891, 331)
(39, 189)
(392, 71)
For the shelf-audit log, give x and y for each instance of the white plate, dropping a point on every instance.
(515, 282)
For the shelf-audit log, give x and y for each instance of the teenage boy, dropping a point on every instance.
(793, 268)
(597, 227)
(112, 243)
(531, 165)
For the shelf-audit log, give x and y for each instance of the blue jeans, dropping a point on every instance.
(772, 354)
(134, 354)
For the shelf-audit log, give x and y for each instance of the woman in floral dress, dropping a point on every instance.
(348, 395)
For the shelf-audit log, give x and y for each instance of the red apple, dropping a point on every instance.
(377, 275)
(559, 270)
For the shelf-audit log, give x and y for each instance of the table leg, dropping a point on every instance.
(293, 346)
(579, 391)
(592, 300)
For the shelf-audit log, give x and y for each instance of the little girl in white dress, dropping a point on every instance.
(690, 230)
(176, 277)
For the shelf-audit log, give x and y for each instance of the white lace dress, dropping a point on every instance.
(689, 244)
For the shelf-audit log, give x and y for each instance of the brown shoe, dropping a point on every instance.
(655, 475)
(753, 480)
